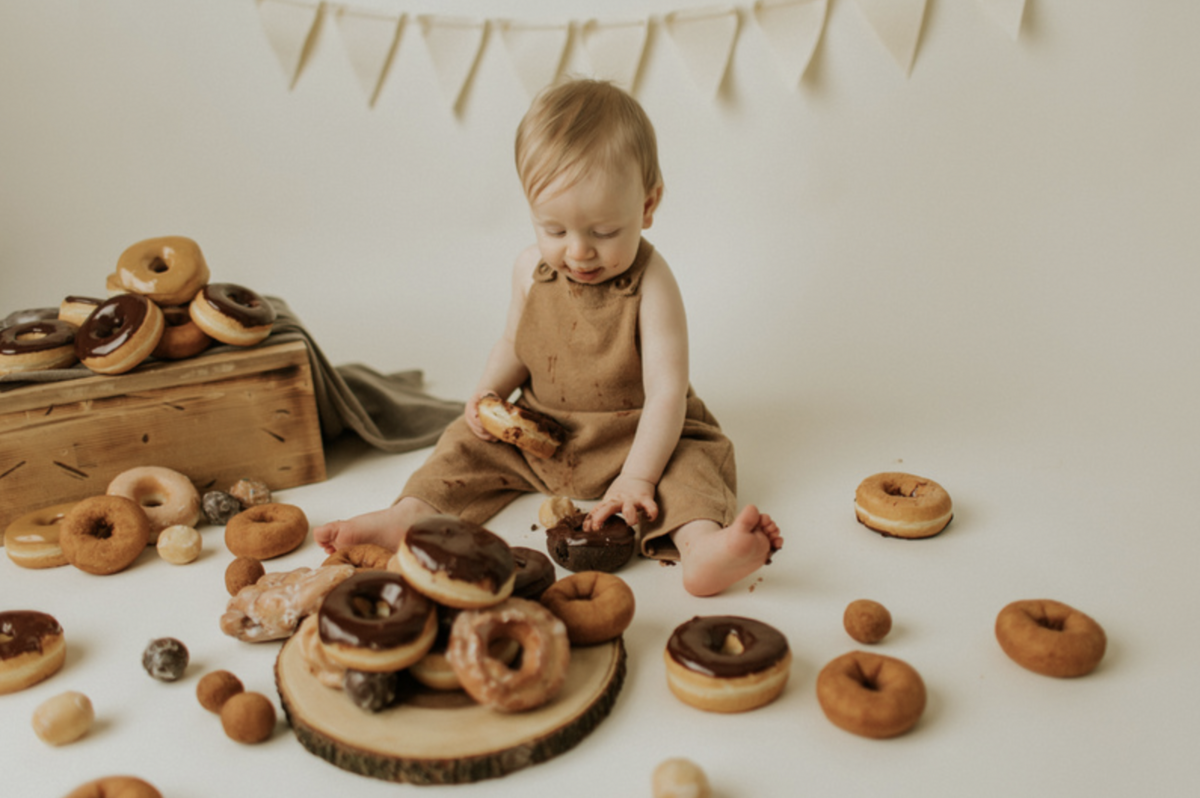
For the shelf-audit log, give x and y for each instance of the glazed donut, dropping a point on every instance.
(545, 654)
(363, 555)
(181, 337)
(902, 505)
(534, 574)
(1050, 638)
(232, 314)
(116, 787)
(455, 562)
(169, 269)
(595, 606)
(607, 549)
(76, 309)
(266, 531)
(375, 621)
(867, 621)
(434, 669)
(871, 695)
(725, 663)
(120, 334)
(273, 607)
(37, 346)
(104, 534)
(526, 429)
(167, 497)
(32, 648)
(32, 539)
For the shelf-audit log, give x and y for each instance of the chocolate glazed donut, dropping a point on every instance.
(37, 345)
(120, 334)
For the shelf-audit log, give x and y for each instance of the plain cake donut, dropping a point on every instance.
(1050, 638)
(168, 269)
(120, 334)
(265, 531)
(726, 663)
(871, 695)
(902, 505)
(595, 606)
(116, 787)
(104, 534)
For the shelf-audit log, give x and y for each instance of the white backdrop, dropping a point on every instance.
(983, 270)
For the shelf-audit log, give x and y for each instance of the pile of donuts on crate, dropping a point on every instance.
(159, 304)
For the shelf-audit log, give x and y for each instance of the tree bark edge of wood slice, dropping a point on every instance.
(602, 668)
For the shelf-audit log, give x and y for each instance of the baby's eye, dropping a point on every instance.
(606, 233)
(555, 233)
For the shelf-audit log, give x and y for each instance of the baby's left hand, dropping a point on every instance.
(633, 498)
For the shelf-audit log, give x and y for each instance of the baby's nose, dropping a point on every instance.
(579, 248)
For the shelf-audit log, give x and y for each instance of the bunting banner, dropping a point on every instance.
(1007, 14)
(792, 29)
(537, 51)
(454, 45)
(615, 50)
(370, 40)
(290, 26)
(898, 25)
(703, 38)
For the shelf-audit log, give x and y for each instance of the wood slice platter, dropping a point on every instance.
(446, 738)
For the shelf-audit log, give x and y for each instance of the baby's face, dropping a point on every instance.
(590, 231)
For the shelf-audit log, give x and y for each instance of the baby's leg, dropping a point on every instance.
(714, 558)
(382, 527)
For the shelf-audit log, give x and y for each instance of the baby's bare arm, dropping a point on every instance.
(663, 329)
(503, 372)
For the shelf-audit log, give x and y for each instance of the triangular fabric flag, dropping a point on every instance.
(454, 44)
(536, 50)
(615, 50)
(370, 40)
(792, 29)
(704, 38)
(1007, 13)
(289, 26)
(898, 25)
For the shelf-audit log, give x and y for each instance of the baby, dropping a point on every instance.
(596, 338)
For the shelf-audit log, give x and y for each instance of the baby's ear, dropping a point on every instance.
(653, 199)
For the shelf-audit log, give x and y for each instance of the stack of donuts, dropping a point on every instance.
(457, 608)
(159, 304)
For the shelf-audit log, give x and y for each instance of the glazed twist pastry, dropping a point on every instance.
(272, 608)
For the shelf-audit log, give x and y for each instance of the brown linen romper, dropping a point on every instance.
(580, 344)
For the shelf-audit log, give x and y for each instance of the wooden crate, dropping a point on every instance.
(217, 418)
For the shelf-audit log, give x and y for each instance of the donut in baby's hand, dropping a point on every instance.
(606, 549)
(32, 648)
(37, 346)
(902, 505)
(871, 695)
(232, 314)
(31, 540)
(120, 334)
(526, 429)
(266, 531)
(726, 663)
(168, 269)
(455, 562)
(1050, 638)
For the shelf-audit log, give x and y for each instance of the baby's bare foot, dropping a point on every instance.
(382, 527)
(714, 558)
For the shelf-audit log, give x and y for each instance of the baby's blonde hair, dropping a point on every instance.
(578, 125)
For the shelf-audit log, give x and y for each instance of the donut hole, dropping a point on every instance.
(244, 299)
(505, 647)
(370, 607)
(732, 646)
(897, 489)
(5, 638)
(159, 266)
(30, 335)
(867, 680)
(1053, 624)
(102, 529)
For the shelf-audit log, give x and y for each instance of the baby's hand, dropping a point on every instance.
(633, 498)
(471, 414)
